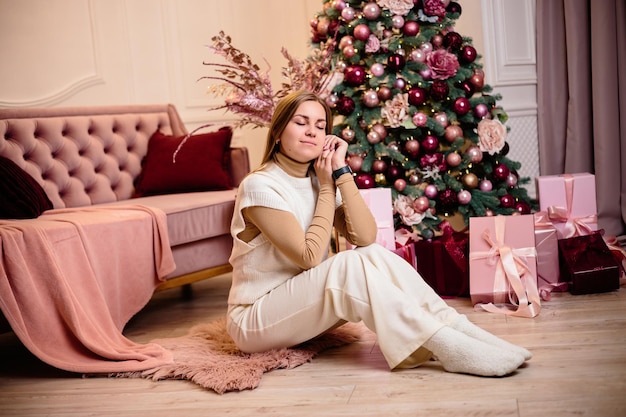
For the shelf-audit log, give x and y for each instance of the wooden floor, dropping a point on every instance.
(578, 369)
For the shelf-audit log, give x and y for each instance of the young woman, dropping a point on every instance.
(286, 290)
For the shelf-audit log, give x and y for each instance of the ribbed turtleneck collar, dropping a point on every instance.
(291, 166)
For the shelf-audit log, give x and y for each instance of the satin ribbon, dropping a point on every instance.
(578, 226)
(511, 273)
(543, 223)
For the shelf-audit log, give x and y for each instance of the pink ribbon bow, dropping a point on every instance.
(573, 226)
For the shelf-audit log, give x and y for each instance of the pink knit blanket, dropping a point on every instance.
(71, 279)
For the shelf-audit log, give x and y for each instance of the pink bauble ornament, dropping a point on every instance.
(481, 110)
(511, 180)
(411, 28)
(371, 11)
(354, 75)
(426, 73)
(468, 54)
(420, 119)
(322, 26)
(417, 96)
(380, 129)
(437, 41)
(461, 106)
(442, 119)
(377, 69)
(370, 98)
(355, 162)
(348, 14)
(453, 132)
(430, 143)
(373, 137)
(393, 146)
(500, 172)
(400, 83)
(384, 93)
(346, 41)
(489, 213)
(426, 47)
(361, 32)
(507, 201)
(485, 185)
(397, 21)
(379, 166)
(348, 51)
(431, 191)
(475, 154)
(464, 197)
(348, 134)
(331, 100)
(421, 204)
(417, 55)
(412, 147)
(339, 4)
(399, 184)
(364, 180)
(453, 159)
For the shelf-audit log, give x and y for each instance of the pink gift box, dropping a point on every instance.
(381, 205)
(503, 264)
(570, 201)
(548, 268)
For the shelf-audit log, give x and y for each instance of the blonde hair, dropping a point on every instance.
(283, 113)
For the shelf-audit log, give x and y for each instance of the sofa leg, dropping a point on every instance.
(186, 292)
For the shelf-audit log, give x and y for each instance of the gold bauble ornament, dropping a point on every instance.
(470, 180)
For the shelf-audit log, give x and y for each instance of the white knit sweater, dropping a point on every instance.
(258, 266)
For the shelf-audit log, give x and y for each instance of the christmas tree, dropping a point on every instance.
(409, 95)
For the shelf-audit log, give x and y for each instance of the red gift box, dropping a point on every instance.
(503, 265)
(570, 201)
(443, 262)
(407, 252)
(588, 264)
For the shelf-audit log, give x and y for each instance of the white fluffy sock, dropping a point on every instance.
(460, 353)
(465, 326)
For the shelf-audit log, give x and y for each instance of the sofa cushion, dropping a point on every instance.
(202, 164)
(192, 216)
(21, 196)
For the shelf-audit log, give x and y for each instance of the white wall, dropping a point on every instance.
(92, 52)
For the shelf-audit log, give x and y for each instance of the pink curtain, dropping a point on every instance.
(581, 89)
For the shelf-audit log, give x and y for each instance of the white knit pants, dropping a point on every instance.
(369, 284)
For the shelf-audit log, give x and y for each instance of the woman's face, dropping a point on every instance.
(304, 135)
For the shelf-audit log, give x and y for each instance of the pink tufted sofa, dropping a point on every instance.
(85, 156)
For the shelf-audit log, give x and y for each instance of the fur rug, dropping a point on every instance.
(208, 356)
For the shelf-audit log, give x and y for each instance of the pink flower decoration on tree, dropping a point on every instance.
(399, 7)
(442, 64)
(403, 206)
(491, 135)
(396, 110)
(434, 8)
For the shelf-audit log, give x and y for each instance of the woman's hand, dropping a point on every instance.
(333, 157)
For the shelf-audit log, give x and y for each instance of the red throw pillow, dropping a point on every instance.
(21, 196)
(202, 164)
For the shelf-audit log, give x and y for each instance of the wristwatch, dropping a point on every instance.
(339, 172)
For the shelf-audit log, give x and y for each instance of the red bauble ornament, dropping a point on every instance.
(477, 80)
(452, 41)
(468, 54)
(394, 172)
(396, 62)
(411, 28)
(522, 207)
(384, 93)
(447, 199)
(354, 75)
(461, 106)
(364, 180)
(507, 201)
(439, 90)
(417, 96)
(501, 172)
(345, 106)
(454, 7)
(430, 143)
(468, 88)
